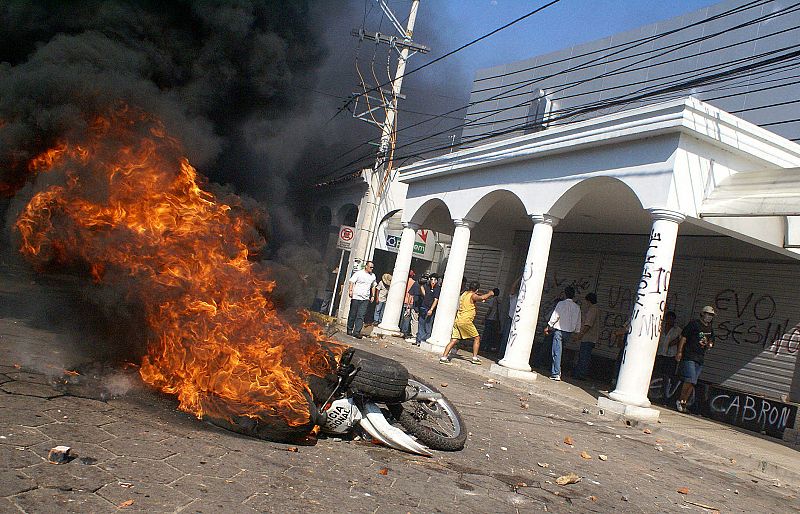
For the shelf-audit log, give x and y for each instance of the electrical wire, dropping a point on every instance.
(606, 104)
(736, 10)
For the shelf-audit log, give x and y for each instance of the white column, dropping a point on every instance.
(633, 382)
(526, 314)
(397, 289)
(451, 287)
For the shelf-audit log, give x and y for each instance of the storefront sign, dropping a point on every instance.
(424, 243)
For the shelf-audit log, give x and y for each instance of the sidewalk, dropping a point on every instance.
(758, 455)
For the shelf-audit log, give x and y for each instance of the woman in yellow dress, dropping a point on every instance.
(464, 326)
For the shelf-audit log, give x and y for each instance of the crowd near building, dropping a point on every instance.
(659, 169)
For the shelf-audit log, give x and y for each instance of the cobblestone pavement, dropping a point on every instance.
(136, 452)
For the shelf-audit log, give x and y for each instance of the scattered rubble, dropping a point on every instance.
(569, 478)
(59, 455)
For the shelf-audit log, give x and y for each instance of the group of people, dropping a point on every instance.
(419, 305)
(680, 354)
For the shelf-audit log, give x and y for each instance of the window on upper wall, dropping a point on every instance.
(538, 112)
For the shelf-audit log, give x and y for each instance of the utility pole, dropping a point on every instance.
(379, 177)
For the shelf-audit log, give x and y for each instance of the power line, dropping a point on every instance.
(626, 70)
(623, 46)
(585, 65)
(462, 47)
(617, 101)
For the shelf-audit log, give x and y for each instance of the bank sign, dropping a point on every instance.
(424, 243)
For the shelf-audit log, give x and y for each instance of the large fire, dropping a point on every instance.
(124, 203)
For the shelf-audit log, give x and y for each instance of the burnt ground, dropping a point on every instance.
(134, 451)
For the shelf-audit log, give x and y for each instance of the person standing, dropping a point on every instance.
(382, 295)
(588, 336)
(565, 320)
(408, 305)
(697, 338)
(361, 289)
(491, 323)
(464, 326)
(427, 310)
(667, 349)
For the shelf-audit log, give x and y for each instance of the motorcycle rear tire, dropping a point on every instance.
(380, 378)
(413, 414)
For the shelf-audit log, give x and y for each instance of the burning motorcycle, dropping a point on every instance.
(378, 395)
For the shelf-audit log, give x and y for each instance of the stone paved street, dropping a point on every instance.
(136, 452)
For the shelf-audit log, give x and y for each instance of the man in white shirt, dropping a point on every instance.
(565, 320)
(361, 288)
(667, 349)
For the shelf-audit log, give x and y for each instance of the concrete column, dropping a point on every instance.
(633, 383)
(451, 288)
(397, 290)
(523, 324)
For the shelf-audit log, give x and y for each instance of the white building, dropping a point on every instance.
(668, 205)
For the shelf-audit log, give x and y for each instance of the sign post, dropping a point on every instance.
(344, 243)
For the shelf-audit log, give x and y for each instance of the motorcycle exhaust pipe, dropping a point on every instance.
(416, 394)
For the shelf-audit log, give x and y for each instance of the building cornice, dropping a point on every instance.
(687, 116)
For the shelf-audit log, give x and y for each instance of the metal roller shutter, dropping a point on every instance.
(575, 269)
(483, 264)
(757, 308)
(616, 295)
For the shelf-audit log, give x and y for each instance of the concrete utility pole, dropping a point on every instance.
(378, 178)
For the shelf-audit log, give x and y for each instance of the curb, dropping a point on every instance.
(756, 466)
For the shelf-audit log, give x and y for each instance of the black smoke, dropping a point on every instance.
(252, 89)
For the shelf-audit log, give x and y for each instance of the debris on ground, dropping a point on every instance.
(683, 490)
(647, 431)
(702, 506)
(383, 471)
(593, 498)
(59, 455)
(125, 504)
(569, 478)
(585, 455)
(568, 440)
(443, 384)
(543, 464)
(292, 449)
(602, 457)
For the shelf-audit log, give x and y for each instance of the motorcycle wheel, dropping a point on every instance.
(435, 423)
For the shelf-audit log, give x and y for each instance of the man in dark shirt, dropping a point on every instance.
(491, 323)
(697, 337)
(427, 308)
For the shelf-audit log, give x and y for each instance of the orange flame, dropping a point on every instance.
(130, 208)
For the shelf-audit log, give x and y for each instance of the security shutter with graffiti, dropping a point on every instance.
(758, 312)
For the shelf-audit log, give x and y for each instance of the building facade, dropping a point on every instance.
(668, 184)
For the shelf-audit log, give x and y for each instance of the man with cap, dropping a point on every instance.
(697, 337)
